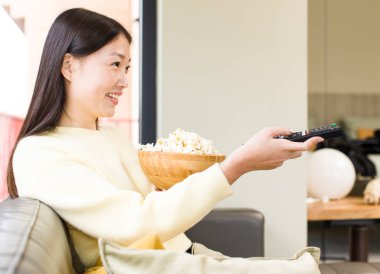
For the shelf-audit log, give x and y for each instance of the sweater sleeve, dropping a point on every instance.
(98, 208)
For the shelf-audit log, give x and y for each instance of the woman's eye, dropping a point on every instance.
(127, 68)
(116, 64)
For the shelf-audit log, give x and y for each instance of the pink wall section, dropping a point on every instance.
(9, 129)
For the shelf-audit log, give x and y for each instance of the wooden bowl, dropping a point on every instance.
(165, 169)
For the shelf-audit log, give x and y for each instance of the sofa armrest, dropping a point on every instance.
(234, 232)
(32, 239)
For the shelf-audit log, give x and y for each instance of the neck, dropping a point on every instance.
(67, 120)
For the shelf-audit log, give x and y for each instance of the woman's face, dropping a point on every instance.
(97, 81)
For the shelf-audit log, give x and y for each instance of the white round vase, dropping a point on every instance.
(330, 174)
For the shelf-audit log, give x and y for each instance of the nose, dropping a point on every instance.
(123, 82)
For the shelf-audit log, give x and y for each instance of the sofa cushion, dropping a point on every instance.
(32, 239)
(119, 260)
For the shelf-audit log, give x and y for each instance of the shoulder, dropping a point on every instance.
(32, 155)
(39, 147)
(31, 143)
(48, 140)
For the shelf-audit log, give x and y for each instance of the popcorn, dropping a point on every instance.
(181, 141)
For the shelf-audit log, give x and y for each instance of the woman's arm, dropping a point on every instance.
(262, 152)
(100, 209)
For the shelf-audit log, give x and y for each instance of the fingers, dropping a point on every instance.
(310, 143)
(303, 146)
(273, 165)
(295, 154)
(276, 131)
(291, 155)
(307, 145)
(294, 146)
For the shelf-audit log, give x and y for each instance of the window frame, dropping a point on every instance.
(148, 72)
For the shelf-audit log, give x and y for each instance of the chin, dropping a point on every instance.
(109, 114)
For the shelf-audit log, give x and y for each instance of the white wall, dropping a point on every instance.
(13, 67)
(227, 69)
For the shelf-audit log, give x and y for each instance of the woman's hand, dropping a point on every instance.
(262, 152)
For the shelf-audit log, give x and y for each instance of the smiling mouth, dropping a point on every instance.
(113, 97)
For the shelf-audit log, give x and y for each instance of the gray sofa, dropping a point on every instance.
(33, 239)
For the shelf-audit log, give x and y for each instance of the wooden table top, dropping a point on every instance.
(348, 208)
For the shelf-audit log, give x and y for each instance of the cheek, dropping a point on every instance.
(101, 79)
(83, 89)
(94, 85)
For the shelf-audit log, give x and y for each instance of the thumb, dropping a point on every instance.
(276, 131)
(310, 143)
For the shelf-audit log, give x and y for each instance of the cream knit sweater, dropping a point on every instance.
(93, 180)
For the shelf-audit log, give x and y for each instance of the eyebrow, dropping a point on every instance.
(120, 55)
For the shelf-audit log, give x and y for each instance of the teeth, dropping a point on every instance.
(112, 95)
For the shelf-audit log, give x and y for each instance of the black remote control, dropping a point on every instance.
(326, 132)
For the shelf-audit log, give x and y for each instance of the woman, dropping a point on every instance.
(89, 174)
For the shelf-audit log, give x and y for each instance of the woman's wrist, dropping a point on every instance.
(233, 167)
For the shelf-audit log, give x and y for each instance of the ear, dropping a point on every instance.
(67, 66)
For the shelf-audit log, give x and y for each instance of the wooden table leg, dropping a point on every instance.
(359, 243)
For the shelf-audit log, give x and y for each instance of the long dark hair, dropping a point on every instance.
(79, 32)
